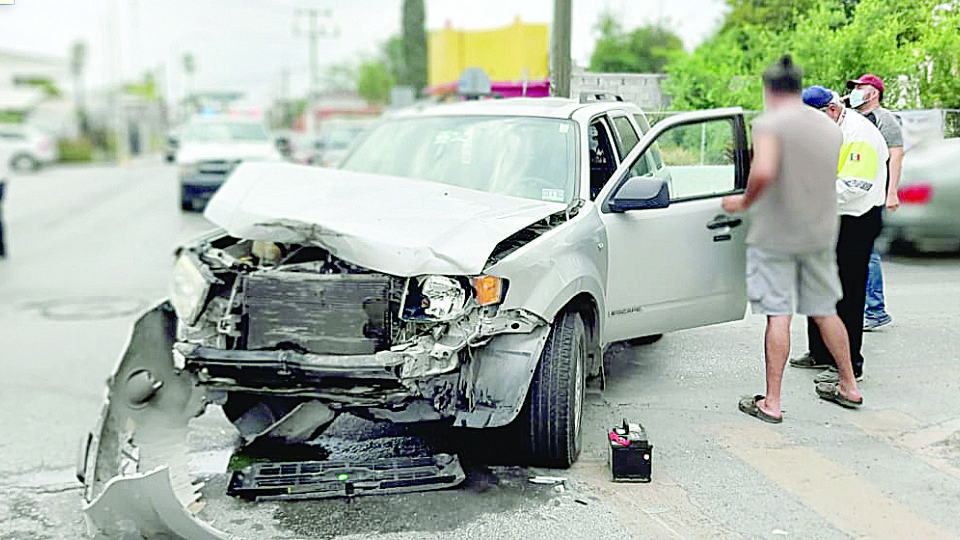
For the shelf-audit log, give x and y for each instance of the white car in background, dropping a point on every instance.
(30, 148)
(209, 150)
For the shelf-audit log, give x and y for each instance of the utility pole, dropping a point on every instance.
(284, 97)
(313, 32)
(560, 63)
(116, 94)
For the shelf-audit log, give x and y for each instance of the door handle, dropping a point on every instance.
(720, 222)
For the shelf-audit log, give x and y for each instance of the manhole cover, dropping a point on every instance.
(88, 308)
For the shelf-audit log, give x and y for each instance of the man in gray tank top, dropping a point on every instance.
(791, 259)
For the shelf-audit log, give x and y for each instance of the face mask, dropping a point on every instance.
(858, 97)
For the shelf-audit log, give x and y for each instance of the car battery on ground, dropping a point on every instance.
(630, 453)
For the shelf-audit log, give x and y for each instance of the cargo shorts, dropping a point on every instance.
(784, 283)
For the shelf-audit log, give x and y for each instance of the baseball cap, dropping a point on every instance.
(867, 78)
(818, 96)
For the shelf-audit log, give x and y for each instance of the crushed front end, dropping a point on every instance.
(269, 329)
(285, 337)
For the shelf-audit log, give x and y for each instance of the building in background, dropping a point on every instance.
(516, 58)
(644, 89)
(37, 90)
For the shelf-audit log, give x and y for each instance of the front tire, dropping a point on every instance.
(24, 162)
(186, 201)
(551, 417)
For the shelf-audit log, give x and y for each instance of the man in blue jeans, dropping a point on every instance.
(874, 309)
(865, 96)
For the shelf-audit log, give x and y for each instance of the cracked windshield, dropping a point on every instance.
(422, 269)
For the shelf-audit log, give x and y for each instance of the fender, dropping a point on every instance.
(496, 380)
(545, 275)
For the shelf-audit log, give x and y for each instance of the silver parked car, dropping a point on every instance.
(929, 213)
(468, 263)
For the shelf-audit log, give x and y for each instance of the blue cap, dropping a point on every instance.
(817, 96)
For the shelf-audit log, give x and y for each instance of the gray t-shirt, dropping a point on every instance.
(797, 213)
(888, 125)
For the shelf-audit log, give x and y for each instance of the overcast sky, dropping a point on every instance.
(245, 44)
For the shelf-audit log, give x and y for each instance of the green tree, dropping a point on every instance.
(413, 46)
(146, 88)
(771, 14)
(374, 81)
(915, 48)
(44, 83)
(78, 64)
(643, 50)
(392, 52)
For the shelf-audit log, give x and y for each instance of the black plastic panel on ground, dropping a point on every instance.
(325, 479)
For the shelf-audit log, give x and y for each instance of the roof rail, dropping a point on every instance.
(596, 95)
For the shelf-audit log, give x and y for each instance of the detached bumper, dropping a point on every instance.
(134, 466)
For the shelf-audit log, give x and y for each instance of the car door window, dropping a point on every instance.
(653, 153)
(603, 163)
(697, 158)
(626, 137)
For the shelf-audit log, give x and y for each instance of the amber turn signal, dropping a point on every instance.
(489, 290)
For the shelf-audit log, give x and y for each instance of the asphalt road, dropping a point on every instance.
(89, 247)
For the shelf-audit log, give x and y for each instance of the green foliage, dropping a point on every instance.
(721, 73)
(373, 81)
(13, 117)
(771, 14)
(644, 50)
(392, 53)
(147, 88)
(914, 48)
(43, 83)
(413, 46)
(75, 150)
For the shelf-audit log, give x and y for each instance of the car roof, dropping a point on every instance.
(545, 107)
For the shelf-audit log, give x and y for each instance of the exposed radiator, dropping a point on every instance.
(327, 314)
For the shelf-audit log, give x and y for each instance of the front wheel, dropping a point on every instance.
(186, 201)
(552, 414)
(24, 162)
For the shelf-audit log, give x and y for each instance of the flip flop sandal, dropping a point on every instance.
(831, 392)
(748, 404)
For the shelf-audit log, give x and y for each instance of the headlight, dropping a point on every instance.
(443, 297)
(189, 169)
(188, 288)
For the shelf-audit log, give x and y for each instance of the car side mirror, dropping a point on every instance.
(640, 192)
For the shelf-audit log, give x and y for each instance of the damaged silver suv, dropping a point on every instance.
(468, 263)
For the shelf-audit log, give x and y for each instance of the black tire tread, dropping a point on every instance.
(548, 412)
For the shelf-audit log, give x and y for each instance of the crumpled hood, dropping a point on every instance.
(398, 226)
(193, 152)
